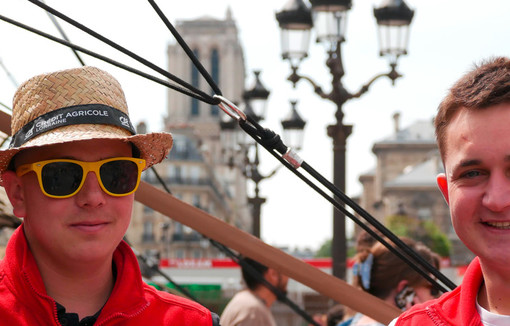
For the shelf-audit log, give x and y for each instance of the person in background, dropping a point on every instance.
(364, 241)
(70, 172)
(335, 315)
(472, 131)
(251, 306)
(381, 273)
(319, 319)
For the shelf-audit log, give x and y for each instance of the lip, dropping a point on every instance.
(497, 225)
(89, 227)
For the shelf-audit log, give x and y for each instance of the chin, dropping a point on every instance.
(94, 252)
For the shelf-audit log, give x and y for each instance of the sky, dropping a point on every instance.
(446, 39)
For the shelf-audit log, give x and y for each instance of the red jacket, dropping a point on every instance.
(453, 308)
(23, 298)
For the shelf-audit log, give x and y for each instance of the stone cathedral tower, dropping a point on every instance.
(196, 169)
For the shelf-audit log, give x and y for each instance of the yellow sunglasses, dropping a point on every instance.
(63, 178)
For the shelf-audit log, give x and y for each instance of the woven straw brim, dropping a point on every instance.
(154, 147)
(48, 92)
(70, 88)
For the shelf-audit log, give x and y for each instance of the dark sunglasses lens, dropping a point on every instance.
(119, 177)
(61, 178)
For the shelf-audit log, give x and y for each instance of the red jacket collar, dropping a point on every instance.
(457, 307)
(25, 280)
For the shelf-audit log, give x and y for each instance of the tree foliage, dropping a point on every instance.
(324, 250)
(420, 230)
(424, 231)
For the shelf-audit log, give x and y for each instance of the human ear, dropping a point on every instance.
(402, 285)
(404, 298)
(443, 186)
(271, 276)
(14, 189)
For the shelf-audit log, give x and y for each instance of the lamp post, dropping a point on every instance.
(255, 100)
(329, 17)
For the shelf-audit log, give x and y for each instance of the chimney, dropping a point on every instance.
(141, 128)
(396, 121)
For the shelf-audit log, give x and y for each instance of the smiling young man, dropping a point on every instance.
(473, 134)
(70, 172)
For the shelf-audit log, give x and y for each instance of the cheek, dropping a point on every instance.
(462, 203)
(457, 214)
(44, 220)
(35, 202)
(124, 207)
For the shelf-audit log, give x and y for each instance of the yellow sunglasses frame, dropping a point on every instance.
(87, 167)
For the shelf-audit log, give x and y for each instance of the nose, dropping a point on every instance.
(497, 193)
(91, 194)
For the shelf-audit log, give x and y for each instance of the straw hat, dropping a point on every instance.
(72, 105)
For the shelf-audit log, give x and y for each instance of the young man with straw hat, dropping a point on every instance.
(70, 172)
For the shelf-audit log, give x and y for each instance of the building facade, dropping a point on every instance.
(196, 170)
(404, 182)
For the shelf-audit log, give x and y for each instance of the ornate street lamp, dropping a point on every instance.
(330, 20)
(295, 22)
(393, 18)
(232, 136)
(256, 98)
(330, 16)
(293, 127)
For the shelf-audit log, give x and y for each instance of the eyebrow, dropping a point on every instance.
(472, 162)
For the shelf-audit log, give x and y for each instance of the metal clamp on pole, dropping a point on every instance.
(230, 108)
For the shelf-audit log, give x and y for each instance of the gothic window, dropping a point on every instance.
(212, 207)
(215, 74)
(196, 200)
(194, 174)
(197, 253)
(148, 231)
(195, 82)
(176, 174)
(178, 228)
(171, 171)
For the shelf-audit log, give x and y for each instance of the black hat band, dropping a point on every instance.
(72, 115)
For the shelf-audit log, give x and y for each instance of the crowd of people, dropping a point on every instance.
(75, 161)
(381, 273)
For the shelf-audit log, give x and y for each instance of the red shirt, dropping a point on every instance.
(453, 308)
(23, 298)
